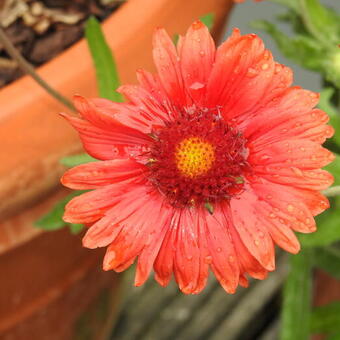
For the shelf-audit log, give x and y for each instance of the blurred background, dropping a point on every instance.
(52, 288)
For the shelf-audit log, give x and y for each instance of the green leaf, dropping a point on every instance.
(320, 21)
(334, 337)
(107, 75)
(326, 105)
(74, 160)
(328, 259)
(76, 228)
(301, 49)
(295, 317)
(326, 319)
(53, 220)
(328, 227)
(208, 20)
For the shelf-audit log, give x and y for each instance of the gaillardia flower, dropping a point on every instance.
(207, 165)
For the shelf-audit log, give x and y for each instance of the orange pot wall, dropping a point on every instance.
(56, 292)
(48, 282)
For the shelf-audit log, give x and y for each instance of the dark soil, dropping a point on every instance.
(40, 29)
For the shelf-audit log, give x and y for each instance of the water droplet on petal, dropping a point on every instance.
(196, 86)
(252, 72)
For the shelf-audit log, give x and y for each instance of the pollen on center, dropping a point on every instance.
(194, 156)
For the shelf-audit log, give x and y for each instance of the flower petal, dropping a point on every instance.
(224, 259)
(141, 219)
(108, 144)
(187, 255)
(168, 67)
(92, 206)
(291, 115)
(286, 205)
(248, 263)
(164, 263)
(307, 179)
(248, 224)
(241, 75)
(97, 174)
(197, 54)
(297, 153)
(152, 246)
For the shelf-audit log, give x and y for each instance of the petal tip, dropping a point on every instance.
(198, 24)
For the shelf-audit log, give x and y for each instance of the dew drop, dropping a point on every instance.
(196, 86)
(252, 72)
(264, 157)
(219, 249)
(264, 66)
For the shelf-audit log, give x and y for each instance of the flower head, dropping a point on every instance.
(208, 164)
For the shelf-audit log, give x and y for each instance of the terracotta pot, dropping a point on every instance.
(47, 280)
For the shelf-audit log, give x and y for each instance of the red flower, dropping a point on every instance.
(208, 165)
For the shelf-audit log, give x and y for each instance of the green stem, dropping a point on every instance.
(29, 69)
(332, 191)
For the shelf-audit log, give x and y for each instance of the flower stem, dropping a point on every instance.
(29, 69)
(332, 191)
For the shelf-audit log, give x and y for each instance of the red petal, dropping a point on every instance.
(108, 144)
(242, 74)
(296, 153)
(289, 116)
(164, 262)
(187, 255)
(152, 246)
(168, 67)
(147, 111)
(287, 207)
(247, 222)
(97, 174)
(141, 215)
(197, 53)
(224, 259)
(91, 206)
(307, 179)
(248, 263)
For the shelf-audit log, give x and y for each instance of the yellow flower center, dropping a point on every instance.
(194, 156)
